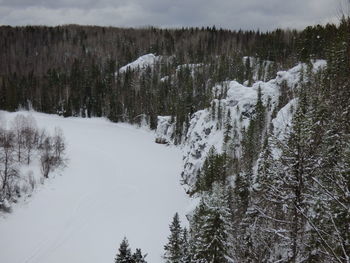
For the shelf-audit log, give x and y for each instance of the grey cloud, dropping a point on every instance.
(233, 14)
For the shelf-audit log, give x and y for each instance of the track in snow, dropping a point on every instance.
(118, 183)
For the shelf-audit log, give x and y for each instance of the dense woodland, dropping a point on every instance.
(289, 201)
(73, 70)
(290, 208)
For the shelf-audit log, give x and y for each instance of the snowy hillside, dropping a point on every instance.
(118, 183)
(207, 129)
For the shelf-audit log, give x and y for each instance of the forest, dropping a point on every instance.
(262, 198)
(73, 70)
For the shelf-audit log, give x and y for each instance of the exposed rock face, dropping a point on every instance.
(207, 126)
(165, 130)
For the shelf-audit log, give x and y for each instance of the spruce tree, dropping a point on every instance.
(212, 221)
(138, 257)
(186, 256)
(227, 130)
(174, 248)
(196, 239)
(124, 254)
(264, 219)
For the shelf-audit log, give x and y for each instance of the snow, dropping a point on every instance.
(165, 130)
(205, 132)
(257, 65)
(142, 62)
(118, 183)
(163, 79)
(283, 120)
(319, 64)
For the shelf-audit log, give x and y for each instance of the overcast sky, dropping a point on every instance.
(232, 14)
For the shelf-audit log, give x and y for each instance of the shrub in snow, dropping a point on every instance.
(19, 146)
(5, 206)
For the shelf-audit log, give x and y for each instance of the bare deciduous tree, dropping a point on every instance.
(18, 144)
(8, 168)
(58, 143)
(46, 158)
(30, 136)
(18, 126)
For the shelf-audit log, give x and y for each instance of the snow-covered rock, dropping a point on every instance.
(142, 62)
(261, 69)
(206, 129)
(165, 130)
(283, 120)
(319, 64)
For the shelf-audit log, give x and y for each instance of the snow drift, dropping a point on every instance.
(118, 183)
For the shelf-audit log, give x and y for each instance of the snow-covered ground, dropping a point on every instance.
(118, 183)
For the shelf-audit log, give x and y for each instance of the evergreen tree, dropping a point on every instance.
(138, 257)
(227, 130)
(253, 137)
(214, 170)
(264, 220)
(186, 256)
(212, 221)
(124, 254)
(174, 248)
(196, 222)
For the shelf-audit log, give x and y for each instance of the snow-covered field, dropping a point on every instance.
(118, 183)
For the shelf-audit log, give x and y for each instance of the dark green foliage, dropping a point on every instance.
(138, 257)
(68, 69)
(214, 170)
(295, 206)
(124, 253)
(252, 138)
(211, 227)
(174, 249)
(125, 256)
(186, 253)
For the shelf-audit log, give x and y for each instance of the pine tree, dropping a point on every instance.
(264, 220)
(138, 257)
(214, 170)
(124, 254)
(253, 137)
(186, 256)
(260, 118)
(248, 71)
(211, 228)
(227, 130)
(174, 248)
(287, 186)
(196, 222)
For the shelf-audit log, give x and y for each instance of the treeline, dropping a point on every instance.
(20, 145)
(125, 255)
(71, 70)
(283, 199)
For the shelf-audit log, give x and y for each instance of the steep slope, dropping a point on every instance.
(207, 127)
(118, 183)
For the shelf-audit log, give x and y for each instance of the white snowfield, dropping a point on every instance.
(118, 183)
(142, 62)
